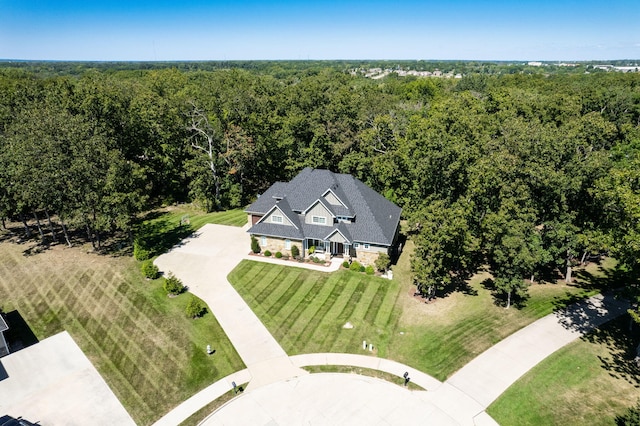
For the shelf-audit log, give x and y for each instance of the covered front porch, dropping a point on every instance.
(329, 248)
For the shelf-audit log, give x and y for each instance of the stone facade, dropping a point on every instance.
(367, 258)
(275, 245)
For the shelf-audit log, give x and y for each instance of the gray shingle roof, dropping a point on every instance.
(376, 218)
(3, 324)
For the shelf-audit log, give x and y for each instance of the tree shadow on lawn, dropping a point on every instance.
(500, 298)
(607, 279)
(160, 235)
(621, 342)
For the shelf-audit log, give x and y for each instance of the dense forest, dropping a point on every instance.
(525, 173)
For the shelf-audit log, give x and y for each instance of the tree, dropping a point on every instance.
(172, 285)
(382, 262)
(195, 308)
(445, 248)
(255, 247)
(149, 270)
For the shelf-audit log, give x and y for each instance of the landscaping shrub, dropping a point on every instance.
(267, 253)
(278, 255)
(312, 250)
(139, 251)
(315, 259)
(382, 262)
(295, 252)
(355, 266)
(255, 247)
(172, 285)
(149, 270)
(345, 264)
(369, 270)
(195, 308)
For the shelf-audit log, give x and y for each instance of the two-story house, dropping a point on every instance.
(335, 214)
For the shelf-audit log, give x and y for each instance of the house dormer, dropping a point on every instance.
(278, 216)
(318, 213)
(333, 199)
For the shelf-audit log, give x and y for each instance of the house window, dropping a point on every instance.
(263, 241)
(287, 244)
(366, 246)
(276, 219)
(319, 220)
(356, 245)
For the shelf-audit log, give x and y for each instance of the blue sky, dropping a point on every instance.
(226, 30)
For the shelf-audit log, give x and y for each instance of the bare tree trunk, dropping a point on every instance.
(4, 225)
(95, 231)
(66, 234)
(90, 235)
(508, 300)
(39, 227)
(532, 278)
(583, 257)
(26, 227)
(201, 126)
(567, 278)
(53, 232)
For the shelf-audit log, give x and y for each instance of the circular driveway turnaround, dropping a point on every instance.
(330, 399)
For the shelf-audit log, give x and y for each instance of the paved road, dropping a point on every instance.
(203, 263)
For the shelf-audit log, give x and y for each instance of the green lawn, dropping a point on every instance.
(306, 311)
(590, 381)
(141, 342)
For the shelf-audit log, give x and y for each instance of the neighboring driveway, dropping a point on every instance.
(487, 376)
(53, 382)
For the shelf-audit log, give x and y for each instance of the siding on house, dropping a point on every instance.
(332, 199)
(337, 238)
(319, 210)
(285, 220)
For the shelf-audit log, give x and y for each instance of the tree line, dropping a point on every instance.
(527, 174)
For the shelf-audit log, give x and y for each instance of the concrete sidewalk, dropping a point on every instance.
(487, 376)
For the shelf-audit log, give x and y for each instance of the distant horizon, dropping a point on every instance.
(563, 61)
(290, 30)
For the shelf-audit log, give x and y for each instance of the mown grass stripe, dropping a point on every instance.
(271, 300)
(383, 317)
(375, 302)
(296, 305)
(328, 327)
(370, 290)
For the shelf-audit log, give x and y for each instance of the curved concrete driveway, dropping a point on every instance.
(203, 262)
